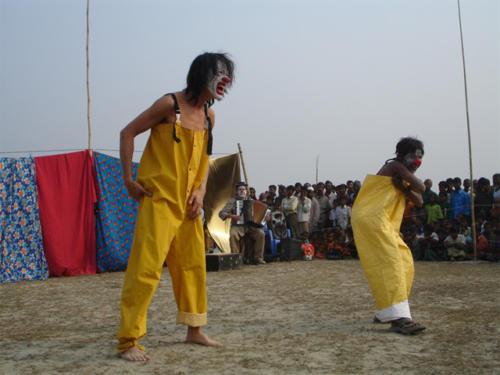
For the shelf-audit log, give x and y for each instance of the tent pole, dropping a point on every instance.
(243, 164)
(88, 86)
(473, 216)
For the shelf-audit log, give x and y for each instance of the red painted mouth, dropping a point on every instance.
(220, 89)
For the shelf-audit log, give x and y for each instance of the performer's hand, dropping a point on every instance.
(195, 204)
(136, 190)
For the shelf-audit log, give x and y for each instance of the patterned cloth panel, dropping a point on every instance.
(116, 215)
(21, 243)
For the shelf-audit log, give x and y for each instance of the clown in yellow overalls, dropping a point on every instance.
(376, 219)
(170, 186)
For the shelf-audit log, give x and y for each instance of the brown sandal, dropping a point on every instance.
(405, 326)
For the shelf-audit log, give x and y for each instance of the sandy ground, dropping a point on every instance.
(280, 318)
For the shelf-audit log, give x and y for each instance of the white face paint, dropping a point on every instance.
(218, 82)
(242, 192)
(413, 160)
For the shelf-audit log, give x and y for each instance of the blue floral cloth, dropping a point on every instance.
(21, 243)
(116, 215)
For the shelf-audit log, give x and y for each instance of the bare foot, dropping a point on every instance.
(135, 354)
(195, 336)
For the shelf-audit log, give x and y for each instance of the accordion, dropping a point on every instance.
(251, 212)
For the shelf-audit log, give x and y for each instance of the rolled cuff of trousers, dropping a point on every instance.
(191, 319)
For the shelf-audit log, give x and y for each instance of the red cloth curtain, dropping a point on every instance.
(66, 194)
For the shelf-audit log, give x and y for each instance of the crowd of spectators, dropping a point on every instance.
(440, 230)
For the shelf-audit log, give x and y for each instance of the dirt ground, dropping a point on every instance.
(280, 318)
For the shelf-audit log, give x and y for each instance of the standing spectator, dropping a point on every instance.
(281, 192)
(298, 189)
(496, 189)
(433, 209)
(303, 212)
(350, 189)
(445, 205)
(428, 192)
(484, 198)
(324, 208)
(342, 193)
(343, 214)
(251, 194)
(330, 192)
(272, 192)
(289, 208)
(314, 212)
(460, 200)
(443, 188)
(357, 186)
(467, 185)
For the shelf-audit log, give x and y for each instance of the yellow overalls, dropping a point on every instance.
(170, 171)
(387, 261)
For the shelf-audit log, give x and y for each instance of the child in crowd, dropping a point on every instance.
(433, 209)
(307, 247)
(445, 205)
(334, 250)
(427, 244)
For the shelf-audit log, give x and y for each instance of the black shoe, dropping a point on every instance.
(259, 261)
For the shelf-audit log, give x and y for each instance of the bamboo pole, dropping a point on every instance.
(317, 168)
(473, 216)
(88, 86)
(243, 164)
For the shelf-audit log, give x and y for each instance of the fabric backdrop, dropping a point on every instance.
(66, 194)
(21, 245)
(115, 216)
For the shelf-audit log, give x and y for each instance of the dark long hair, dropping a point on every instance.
(407, 145)
(200, 71)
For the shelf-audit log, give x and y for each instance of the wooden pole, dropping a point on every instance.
(88, 86)
(243, 164)
(317, 168)
(473, 216)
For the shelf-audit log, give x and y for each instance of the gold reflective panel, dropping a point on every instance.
(224, 174)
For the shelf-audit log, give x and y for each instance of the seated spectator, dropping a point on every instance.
(455, 245)
(307, 247)
(488, 244)
(350, 244)
(427, 246)
(240, 230)
(334, 249)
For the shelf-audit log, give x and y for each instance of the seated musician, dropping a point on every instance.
(239, 229)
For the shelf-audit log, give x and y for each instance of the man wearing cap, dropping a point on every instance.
(240, 230)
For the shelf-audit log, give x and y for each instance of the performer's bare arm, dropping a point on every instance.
(400, 174)
(195, 202)
(162, 108)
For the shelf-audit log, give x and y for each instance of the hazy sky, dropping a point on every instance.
(342, 80)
